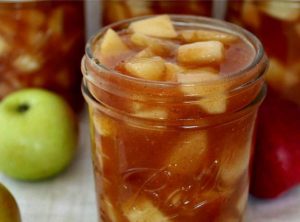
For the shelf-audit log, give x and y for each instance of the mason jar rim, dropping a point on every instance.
(192, 21)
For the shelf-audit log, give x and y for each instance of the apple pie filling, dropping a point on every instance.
(172, 104)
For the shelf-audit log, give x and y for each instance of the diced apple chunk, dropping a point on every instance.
(291, 79)
(145, 53)
(99, 158)
(145, 41)
(242, 201)
(281, 77)
(34, 18)
(157, 46)
(174, 199)
(214, 99)
(159, 26)
(3, 46)
(275, 74)
(8, 29)
(206, 35)
(172, 70)
(189, 154)
(201, 53)
(235, 164)
(36, 38)
(115, 11)
(143, 210)
(146, 68)
(283, 10)
(214, 104)
(27, 63)
(138, 8)
(56, 22)
(152, 113)
(141, 40)
(109, 209)
(196, 76)
(251, 14)
(207, 72)
(111, 45)
(104, 125)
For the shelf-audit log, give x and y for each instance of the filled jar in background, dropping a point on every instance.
(116, 10)
(277, 24)
(41, 44)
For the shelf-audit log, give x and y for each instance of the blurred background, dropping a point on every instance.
(42, 43)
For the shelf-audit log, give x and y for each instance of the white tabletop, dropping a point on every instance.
(70, 197)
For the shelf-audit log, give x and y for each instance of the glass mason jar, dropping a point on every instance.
(116, 10)
(156, 155)
(277, 24)
(41, 44)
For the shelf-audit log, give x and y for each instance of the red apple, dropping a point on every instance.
(277, 157)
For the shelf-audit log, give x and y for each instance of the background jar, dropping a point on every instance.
(154, 151)
(277, 24)
(116, 10)
(41, 44)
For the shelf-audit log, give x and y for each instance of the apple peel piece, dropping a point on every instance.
(201, 53)
(159, 26)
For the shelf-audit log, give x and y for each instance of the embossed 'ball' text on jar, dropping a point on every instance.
(174, 151)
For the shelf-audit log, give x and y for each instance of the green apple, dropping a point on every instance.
(9, 211)
(38, 134)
